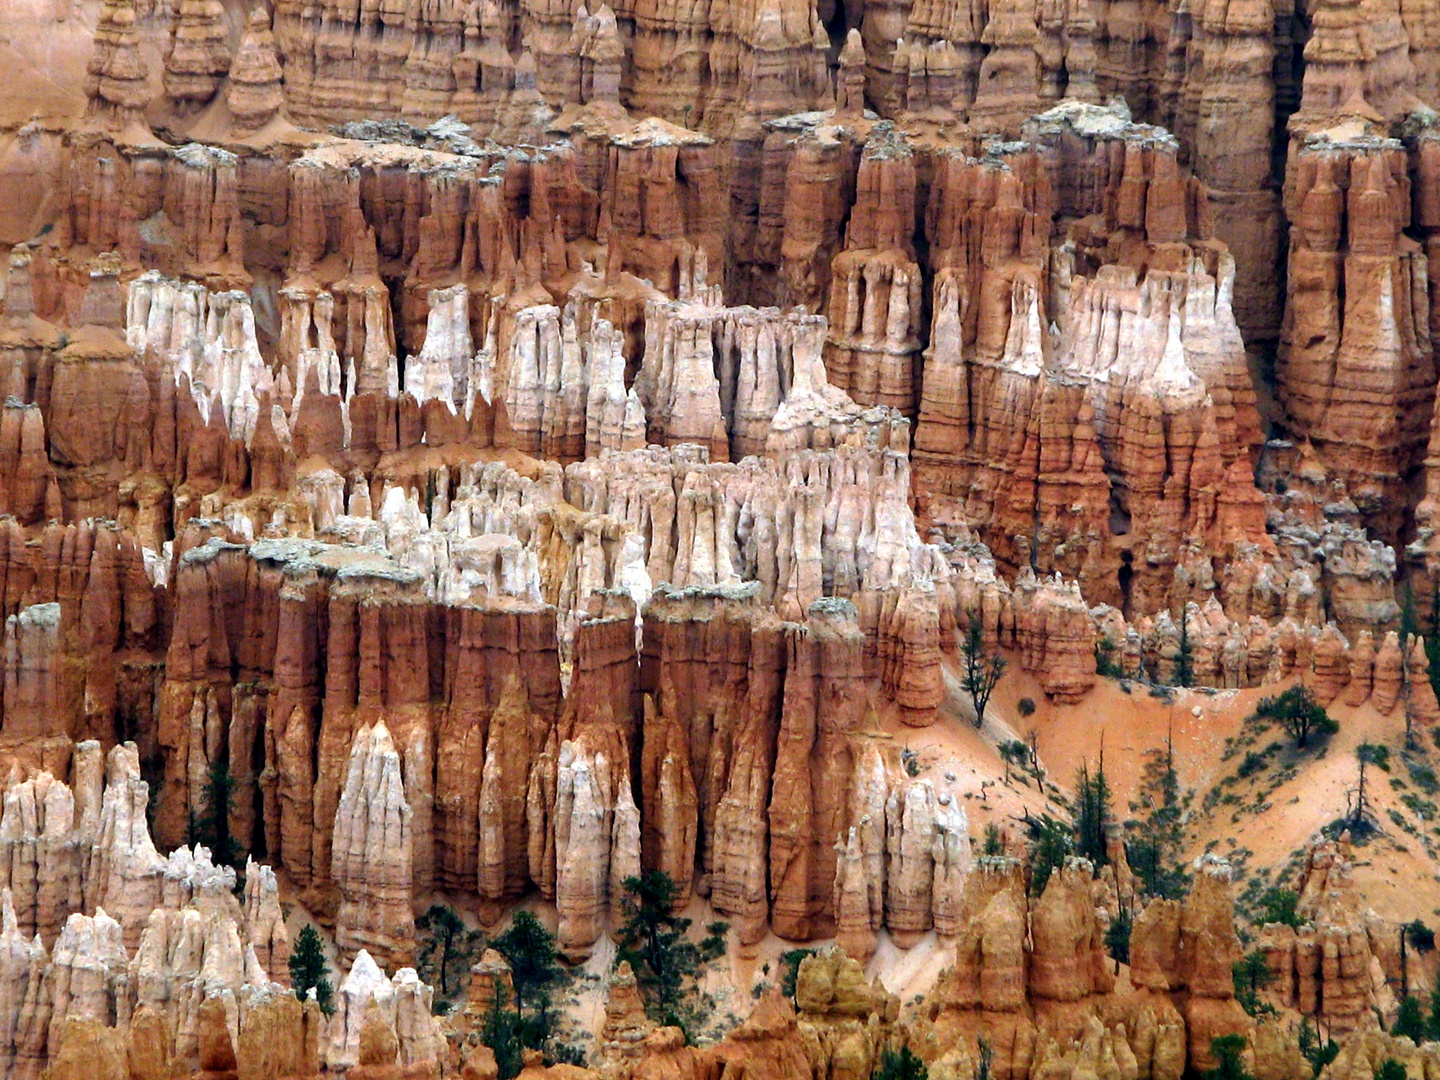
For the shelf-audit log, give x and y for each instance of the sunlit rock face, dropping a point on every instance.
(500, 449)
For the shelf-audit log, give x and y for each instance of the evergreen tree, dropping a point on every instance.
(1299, 713)
(1409, 627)
(1092, 813)
(501, 1033)
(994, 843)
(1432, 638)
(1358, 814)
(1153, 852)
(1410, 1020)
(1185, 657)
(212, 827)
(665, 961)
(447, 948)
(1105, 664)
(529, 949)
(1280, 906)
(534, 966)
(1409, 622)
(1313, 1050)
(1229, 1065)
(1117, 938)
(1432, 1029)
(899, 1064)
(308, 969)
(1251, 974)
(1050, 842)
(1390, 1069)
(790, 969)
(1419, 936)
(980, 669)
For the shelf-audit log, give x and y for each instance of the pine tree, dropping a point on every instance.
(446, 948)
(212, 827)
(1299, 713)
(1313, 1050)
(1092, 813)
(980, 669)
(663, 958)
(1117, 938)
(1280, 906)
(1227, 1051)
(1251, 974)
(1409, 627)
(308, 969)
(1390, 1069)
(501, 1033)
(1153, 853)
(1050, 842)
(899, 1064)
(994, 843)
(1432, 639)
(1185, 658)
(1432, 1028)
(1409, 621)
(1358, 814)
(1410, 1021)
(529, 948)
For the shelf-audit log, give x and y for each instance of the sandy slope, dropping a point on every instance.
(1262, 821)
(44, 46)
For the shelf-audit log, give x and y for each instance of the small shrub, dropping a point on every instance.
(1253, 763)
(1026, 706)
(1424, 809)
(1424, 776)
(1106, 665)
(565, 1054)
(911, 760)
